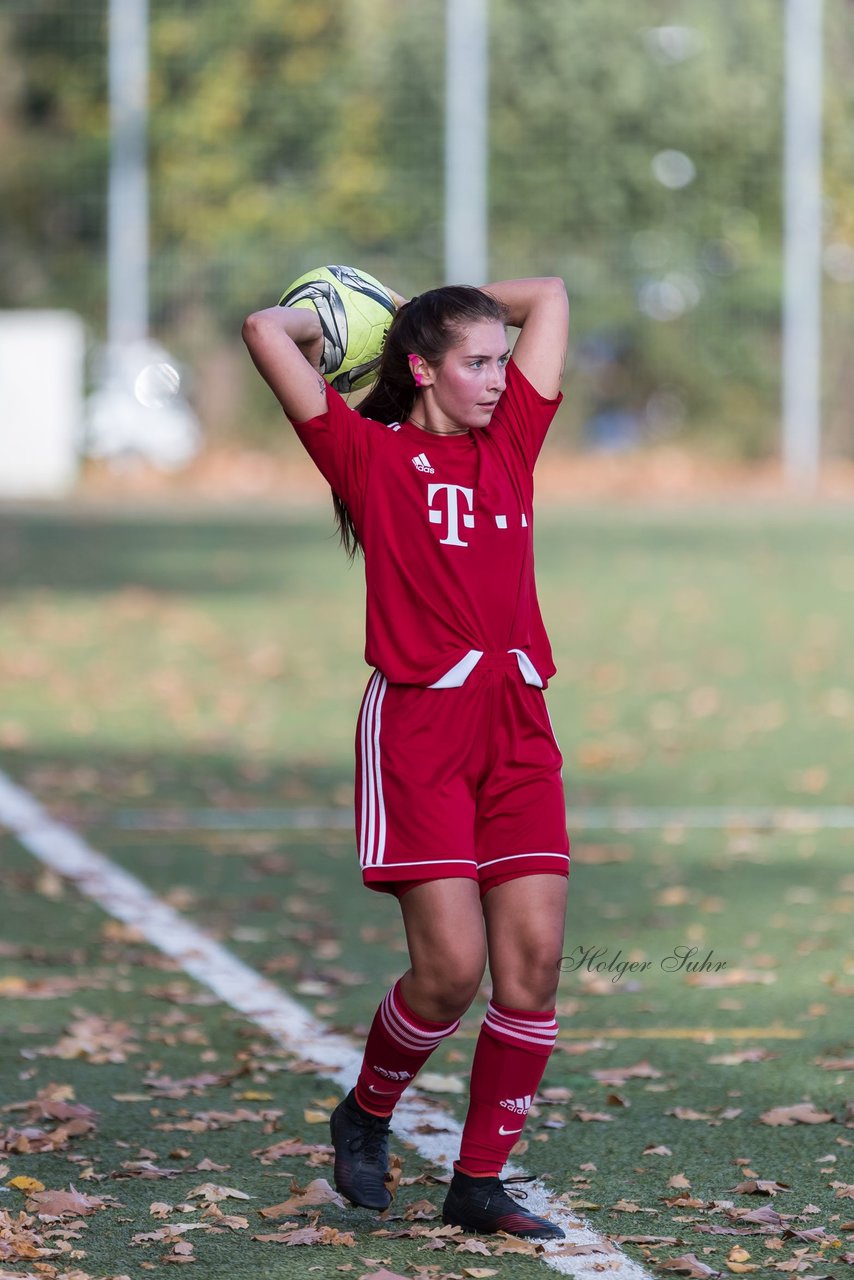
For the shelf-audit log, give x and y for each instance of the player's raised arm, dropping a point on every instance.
(285, 344)
(540, 308)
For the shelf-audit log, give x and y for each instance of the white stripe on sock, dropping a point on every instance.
(525, 1030)
(405, 1035)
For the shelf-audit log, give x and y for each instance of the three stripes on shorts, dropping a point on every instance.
(372, 833)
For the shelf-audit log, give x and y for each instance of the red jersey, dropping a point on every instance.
(447, 527)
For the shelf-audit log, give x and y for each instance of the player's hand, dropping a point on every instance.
(396, 298)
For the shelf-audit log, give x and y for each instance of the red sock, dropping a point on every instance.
(512, 1050)
(399, 1043)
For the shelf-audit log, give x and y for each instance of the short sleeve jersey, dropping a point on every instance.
(446, 524)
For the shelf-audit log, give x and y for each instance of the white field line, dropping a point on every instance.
(791, 818)
(125, 898)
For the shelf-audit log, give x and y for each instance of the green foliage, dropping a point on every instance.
(285, 133)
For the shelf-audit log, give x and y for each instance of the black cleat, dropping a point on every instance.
(482, 1204)
(361, 1154)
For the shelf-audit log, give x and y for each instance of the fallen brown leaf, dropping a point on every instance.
(25, 1184)
(181, 1252)
(811, 1234)
(392, 1178)
(144, 1169)
(514, 1244)
(62, 1204)
(688, 1113)
(432, 1082)
(766, 1216)
(290, 1147)
(688, 1264)
(759, 1186)
(233, 1221)
(96, 1039)
(56, 987)
(52, 1103)
(166, 1087)
(801, 1113)
(473, 1246)
(312, 1115)
(209, 1166)
(166, 1232)
(317, 1192)
(420, 1210)
(643, 1239)
(554, 1093)
(209, 1191)
(736, 1057)
(311, 1236)
(619, 1075)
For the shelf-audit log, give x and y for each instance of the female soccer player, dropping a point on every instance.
(459, 799)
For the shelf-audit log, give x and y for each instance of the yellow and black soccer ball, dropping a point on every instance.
(355, 311)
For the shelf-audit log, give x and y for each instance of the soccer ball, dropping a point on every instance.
(355, 312)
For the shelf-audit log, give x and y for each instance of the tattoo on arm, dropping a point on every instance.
(321, 386)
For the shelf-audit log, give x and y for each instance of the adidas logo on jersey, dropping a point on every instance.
(423, 463)
(519, 1106)
(392, 1075)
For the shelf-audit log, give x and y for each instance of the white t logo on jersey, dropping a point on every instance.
(451, 509)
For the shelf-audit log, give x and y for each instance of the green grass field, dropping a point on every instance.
(153, 664)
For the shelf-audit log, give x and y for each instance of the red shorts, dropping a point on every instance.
(459, 782)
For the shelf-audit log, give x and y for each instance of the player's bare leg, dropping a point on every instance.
(447, 947)
(445, 932)
(525, 920)
(524, 926)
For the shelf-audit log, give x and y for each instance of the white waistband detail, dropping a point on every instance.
(457, 675)
(530, 674)
(461, 670)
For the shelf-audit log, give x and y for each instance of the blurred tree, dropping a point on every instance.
(635, 149)
(54, 133)
(688, 272)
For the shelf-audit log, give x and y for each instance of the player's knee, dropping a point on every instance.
(448, 990)
(533, 983)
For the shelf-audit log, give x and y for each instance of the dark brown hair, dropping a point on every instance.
(429, 325)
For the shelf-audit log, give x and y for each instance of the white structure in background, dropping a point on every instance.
(41, 376)
(138, 412)
(466, 141)
(803, 242)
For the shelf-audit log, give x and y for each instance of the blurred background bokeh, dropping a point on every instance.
(635, 148)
